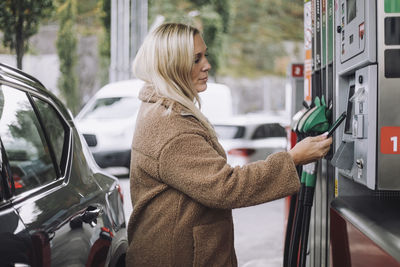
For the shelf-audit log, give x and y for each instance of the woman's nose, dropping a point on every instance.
(207, 66)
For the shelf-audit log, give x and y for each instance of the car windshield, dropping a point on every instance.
(269, 130)
(229, 131)
(113, 107)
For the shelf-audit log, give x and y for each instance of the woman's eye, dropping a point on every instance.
(198, 58)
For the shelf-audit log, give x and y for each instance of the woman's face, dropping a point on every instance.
(201, 66)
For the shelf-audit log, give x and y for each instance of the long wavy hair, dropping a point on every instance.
(165, 60)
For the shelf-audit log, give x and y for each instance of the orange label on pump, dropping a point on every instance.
(390, 140)
(308, 50)
(307, 76)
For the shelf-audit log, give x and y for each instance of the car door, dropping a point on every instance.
(59, 205)
(15, 242)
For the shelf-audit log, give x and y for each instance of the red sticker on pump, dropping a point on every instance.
(390, 140)
(361, 30)
(297, 70)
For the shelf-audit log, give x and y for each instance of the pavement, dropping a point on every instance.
(259, 231)
(259, 234)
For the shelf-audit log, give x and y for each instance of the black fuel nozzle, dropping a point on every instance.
(305, 104)
(329, 112)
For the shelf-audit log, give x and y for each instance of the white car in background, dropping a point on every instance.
(248, 138)
(216, 102)
(107, 122)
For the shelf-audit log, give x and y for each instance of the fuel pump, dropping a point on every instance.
(352, 56)
(368, 76)
(366, 158)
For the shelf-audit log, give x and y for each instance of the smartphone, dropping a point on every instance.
(337, 123)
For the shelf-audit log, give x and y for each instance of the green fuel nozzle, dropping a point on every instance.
(317, 121)
(310, 175)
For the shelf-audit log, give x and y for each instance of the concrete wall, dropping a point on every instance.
(42, 62)
(264, 94)
(42, 67)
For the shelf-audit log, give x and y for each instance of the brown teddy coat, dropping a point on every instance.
(183, 190)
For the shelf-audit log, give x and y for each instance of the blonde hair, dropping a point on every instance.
(165, 60)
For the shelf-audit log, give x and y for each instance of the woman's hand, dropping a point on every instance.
(310, 149)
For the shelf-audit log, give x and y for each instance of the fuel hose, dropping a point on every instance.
(308, 203)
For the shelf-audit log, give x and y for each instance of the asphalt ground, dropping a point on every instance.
(259, 231)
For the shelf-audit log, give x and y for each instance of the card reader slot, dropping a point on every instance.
(344, 156)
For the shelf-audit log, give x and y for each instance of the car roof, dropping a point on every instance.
(253, 119)
(121, 88)
(16, 76)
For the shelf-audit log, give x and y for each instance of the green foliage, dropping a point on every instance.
(258, 30)
(106, 14)
(19, 20)
(210, 16)
(221, 7)
(105, 39)
(26, 122)
(244, 38)
(212, 34)
(89, 16)
(66, 49)
(172, 10)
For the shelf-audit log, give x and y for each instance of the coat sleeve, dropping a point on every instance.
(191, 165)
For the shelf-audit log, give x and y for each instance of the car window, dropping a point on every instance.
(269, 130)
(2, 179)
(5, 173)
(229, 131)
(113, 107)
(55, 128)
(24, 142)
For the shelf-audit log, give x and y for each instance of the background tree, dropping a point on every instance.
(26, 122)
(210, 16)
(67, 54)
(222, 7)
(258, 31)
(19, 20)
(105, 42)
(213, 36)
(244, 38)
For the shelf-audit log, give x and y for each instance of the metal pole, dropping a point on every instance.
(120, 42)
(134, 31)
(143, 21)
(114, 25)
(139, 13)
(128, 30)
(125, 74)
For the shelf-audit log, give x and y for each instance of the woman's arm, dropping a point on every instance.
(191, 165)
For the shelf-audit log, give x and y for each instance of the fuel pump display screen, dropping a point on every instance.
(351, 10)
(392, 59)
(392, 31)
(350, 112)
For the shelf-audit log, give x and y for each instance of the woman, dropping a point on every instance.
(182, 189)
